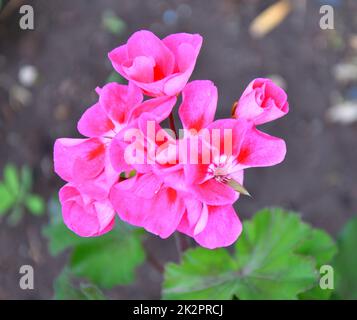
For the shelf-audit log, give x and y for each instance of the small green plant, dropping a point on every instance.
(16, 195)
(98, 260)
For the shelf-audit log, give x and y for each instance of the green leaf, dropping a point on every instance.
(323, 248)
(109, 260)
(345, 263)
(35, 204)
(11, 179)
(112, 23)
(272, 260)
(65, 289)
(59, 236)
(7, 199)
(203, 274)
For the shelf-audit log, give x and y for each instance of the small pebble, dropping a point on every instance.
(345, 72)
(28, 75)
(345, 113)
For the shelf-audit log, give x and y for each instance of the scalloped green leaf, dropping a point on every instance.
(323, 248)
(272, 260)
(345, 263)
(109, 260)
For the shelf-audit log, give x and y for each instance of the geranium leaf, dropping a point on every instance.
(323, 248)
(107, 260)
(345, 263)
(110, 259)
(269, 263)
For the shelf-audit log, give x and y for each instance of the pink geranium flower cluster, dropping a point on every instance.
(164, 192)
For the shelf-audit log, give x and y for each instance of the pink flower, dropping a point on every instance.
(84, 215)
(119, 108)
(213, 182)
(193, 194)
(112, 111)
(159, 67)
(262, 101)
(85, 206)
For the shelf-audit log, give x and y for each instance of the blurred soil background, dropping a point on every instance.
(48, 77)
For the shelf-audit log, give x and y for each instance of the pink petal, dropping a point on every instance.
(178, 44)
(95, 122)
(159, 108)
(145, 43)
(231, 134)
(79, 159)
(202, 221)
(85, 217)
(159, 215)
(214, 193)
(99, 187)
(120, 100)
(186, 48)
(146, 185)
(142, 69)
(118, 155)
(199, 103)
(117, 57)
(261, 150)
(222, 229)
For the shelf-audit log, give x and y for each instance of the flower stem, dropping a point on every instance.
(182, 243)
(172, 124)
(154, 262)
(181, 240)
